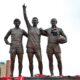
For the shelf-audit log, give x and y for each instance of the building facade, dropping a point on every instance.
(8, 65)
(5, 69)
(2, 69)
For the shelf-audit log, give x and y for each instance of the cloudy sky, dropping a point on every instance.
(68, 15)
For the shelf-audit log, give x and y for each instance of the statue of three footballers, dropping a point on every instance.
(55, 37)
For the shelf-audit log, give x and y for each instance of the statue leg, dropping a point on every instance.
(20, 59)
(12, 57)
(30, 57)
(58, 57)
(39, 58)
(50, 58)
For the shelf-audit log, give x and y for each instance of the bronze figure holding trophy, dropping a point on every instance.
(55, 37)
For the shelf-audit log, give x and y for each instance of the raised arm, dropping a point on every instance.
(63, 34)
(25, 17)
(6, 38)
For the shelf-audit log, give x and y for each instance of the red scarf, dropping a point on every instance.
(15, 78)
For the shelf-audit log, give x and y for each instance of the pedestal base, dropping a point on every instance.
(50, 78)
(42, 78)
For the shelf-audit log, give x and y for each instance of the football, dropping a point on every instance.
(61, 39)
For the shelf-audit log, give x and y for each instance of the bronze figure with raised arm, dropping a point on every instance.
(33, 44)
(55, 36)
(16, 46)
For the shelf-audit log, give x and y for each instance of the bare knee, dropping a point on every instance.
(59, 61)
(20, 63)
(12, 62)
(40, 62)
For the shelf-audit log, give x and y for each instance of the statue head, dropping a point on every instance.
(35, 21)
(17, 22)
(53, 21)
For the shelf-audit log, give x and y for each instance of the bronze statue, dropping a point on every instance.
(33, 44)
(16, 47)
(55, 36)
